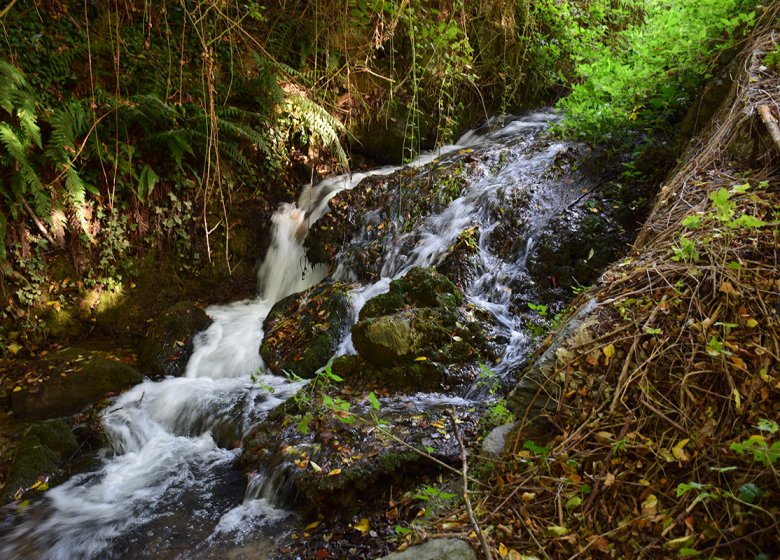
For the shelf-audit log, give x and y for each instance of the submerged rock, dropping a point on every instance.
(67, 381)
(168, 344)
(303, 330)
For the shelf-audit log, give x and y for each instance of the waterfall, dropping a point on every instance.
(168, 475)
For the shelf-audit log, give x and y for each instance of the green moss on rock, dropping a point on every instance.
(44, 447)
(69, 380)
(168, 344)
(303, 330)
(421, 287)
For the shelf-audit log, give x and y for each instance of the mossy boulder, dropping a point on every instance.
(302, 331)
(45, 446)
(412, 335)
(420, 287)
(67, 381)
(417, 336)
(168, 344)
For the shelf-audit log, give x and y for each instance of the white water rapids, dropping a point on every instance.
(168, 485)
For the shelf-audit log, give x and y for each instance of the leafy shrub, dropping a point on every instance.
(654, 68)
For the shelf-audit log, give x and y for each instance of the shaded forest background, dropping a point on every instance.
(135, 132)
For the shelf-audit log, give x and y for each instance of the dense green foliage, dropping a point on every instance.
(131, 126)
(647, 78)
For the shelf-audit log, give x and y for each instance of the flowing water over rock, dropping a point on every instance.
(168, 485)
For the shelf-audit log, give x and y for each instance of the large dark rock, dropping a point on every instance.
(385, 211)
(168, 344)
(303, 330)
(461, 262)
(574, 250)
(416, 337)
(315, 453)
(384, 136)
(43, 449)
(67, 381)
(420, 287)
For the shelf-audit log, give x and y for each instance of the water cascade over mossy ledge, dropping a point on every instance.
(372, 420)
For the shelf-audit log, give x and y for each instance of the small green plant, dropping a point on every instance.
(772, 59)
(431, 493)
(579, 289)
(536, 450)
(498, 414)
(703, 491)
(539, 325)
(539, 308)
(758, 445)
(686, 251)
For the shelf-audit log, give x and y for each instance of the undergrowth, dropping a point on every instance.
(665, 435)
(645, 79)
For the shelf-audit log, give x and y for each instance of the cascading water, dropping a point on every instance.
(168, 478)
(174, 443)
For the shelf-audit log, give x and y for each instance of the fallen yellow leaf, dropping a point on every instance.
(363, 525)
(334, 472)
(728, 289)
(739, 362)
(679, 453)
(609, 351)
(650, 505)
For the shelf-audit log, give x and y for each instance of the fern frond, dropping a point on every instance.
(243, 132)
(67, 124)
(320, 124)
(12, 143)
(236, 156)
(147, 111)
(176, 142)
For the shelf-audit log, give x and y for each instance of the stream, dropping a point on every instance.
(168, 484)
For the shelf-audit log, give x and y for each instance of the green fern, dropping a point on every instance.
(68, 124)
(176, 142)
(20, 136)
(318, 123)
(18, 99)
